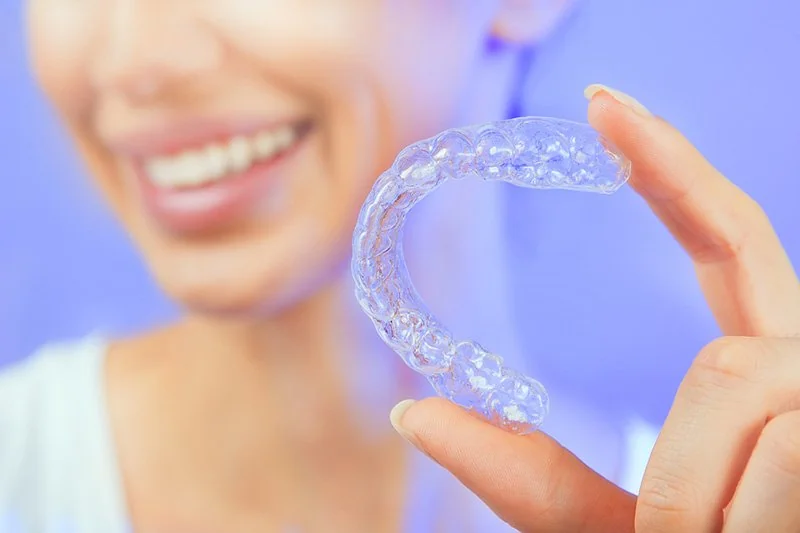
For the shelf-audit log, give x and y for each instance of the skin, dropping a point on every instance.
(210, 430)
(728, 456)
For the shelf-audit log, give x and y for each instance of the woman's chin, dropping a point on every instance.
(238, 300)
(217, 298)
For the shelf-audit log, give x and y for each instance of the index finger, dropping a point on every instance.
(743, 269)
(531, 482)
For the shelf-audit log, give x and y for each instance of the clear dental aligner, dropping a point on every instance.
(532, 152)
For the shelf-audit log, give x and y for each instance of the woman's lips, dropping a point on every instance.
(207, 207)
(215, 178)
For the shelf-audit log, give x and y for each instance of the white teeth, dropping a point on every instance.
(284, 137)
(240, 154)
(158, 170)
(217, 161)
(265, 145)
(192, 169)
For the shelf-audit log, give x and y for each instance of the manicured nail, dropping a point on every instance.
(396, 418)
(624, 99)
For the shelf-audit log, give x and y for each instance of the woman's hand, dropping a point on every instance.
(728, 456)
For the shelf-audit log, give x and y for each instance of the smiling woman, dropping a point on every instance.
(235, 142)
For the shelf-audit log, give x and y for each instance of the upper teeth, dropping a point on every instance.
(212, 162)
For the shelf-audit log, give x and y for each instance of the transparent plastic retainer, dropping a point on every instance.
(532, 152)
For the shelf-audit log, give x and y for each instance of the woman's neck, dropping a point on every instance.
(255, 420)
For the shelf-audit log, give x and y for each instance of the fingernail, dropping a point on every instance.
(624, 99)
(396, 418)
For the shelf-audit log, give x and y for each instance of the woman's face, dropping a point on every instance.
(236, 139)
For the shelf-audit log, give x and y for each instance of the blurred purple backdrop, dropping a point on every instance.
(724, 73)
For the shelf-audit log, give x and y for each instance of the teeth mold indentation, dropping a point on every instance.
(530, 152)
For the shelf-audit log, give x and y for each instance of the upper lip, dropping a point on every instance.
(174, 137)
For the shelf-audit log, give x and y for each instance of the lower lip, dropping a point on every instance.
(216, 204)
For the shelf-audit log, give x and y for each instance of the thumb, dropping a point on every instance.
(531, 482)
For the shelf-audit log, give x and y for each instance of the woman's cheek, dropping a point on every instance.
(308, 46)
(60, 35)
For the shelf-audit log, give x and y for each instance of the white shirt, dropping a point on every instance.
(58, 468)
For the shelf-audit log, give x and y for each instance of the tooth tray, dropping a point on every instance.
(531, 152)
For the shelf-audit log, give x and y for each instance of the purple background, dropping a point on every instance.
(724, 73)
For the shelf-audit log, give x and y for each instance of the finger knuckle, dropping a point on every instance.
(542, 498)
(780, 441)
(727, 362)
(548, 503)
(756, 216)
(667, 499)
(746, 230)
(751, 225)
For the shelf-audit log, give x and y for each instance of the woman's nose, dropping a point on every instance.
(150, 46)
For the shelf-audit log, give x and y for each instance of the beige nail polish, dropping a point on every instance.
(396, 418)
(619, 96)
